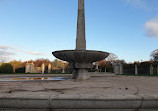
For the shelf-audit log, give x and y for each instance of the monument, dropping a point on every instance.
(49, 68)
(136, 70)
(29, 68)
(80, 59)
(32, 68)
(43, 68)
(151, 70)
(118, 67)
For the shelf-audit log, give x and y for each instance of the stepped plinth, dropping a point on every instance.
(80, 59)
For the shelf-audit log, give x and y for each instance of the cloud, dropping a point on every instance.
(5, 56)
(5, 59)
(147, 5)
(32, 52)
(5, 53)
(3, 47)
(151, 27)
(135, 2)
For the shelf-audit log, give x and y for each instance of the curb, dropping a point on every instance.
(78, 104)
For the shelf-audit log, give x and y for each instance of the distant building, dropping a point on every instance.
(30, 68)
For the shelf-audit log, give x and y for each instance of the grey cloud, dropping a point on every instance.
(151, 27)
(3, 47)
(5, 58)
(5, 53)
(147, 5)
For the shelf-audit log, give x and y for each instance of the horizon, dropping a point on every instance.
(32, 30)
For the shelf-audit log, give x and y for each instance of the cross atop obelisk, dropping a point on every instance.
(81, 40)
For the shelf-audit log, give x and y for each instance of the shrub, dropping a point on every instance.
(6, 68)
(20, 70)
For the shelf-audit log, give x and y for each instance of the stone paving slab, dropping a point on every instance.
(128, 92)
(77, 109)
(96, 87)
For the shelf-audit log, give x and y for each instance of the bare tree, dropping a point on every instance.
(154, 55)
(111, 57)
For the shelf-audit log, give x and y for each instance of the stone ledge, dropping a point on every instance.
(34, 75)
(76, 109)
(82, 104)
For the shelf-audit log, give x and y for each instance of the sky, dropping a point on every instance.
(33, 29)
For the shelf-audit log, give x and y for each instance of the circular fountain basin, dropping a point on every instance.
(80, 58)
(34, 79)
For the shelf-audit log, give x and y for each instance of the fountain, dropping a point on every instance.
(80, 59)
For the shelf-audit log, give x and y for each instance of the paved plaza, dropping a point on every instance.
(98, 87)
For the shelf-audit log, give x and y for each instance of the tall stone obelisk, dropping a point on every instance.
(81, 39)
(80, 59)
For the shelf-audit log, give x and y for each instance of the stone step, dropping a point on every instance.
(27, 104)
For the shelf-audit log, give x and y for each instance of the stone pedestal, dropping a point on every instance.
(29, 68)
(136, 70)
(121, 68)
(63, 70)
(80, 71)
(81, 74)
(151, 70)
(43, 68)
(49, 68)
(97, 66)
(118, 68)
(105, 70)
(157, 70)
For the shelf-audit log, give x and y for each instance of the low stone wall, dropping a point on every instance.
(16, 104)
(35, 75)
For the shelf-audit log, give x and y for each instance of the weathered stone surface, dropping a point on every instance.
(97, 87)
(43, 68)
(81, 74)
(81, 40)
(49, 68)
(80, 59)
(136, 70)
(151, 70)
(29, 68)
(99, 92)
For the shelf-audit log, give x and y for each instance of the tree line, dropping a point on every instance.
(19, 66)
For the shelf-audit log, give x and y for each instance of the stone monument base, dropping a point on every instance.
(80, 74)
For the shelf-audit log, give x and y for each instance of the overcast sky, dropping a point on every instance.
(32, 29)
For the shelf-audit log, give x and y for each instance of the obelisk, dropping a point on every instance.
(80, 59)
(81, 39)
